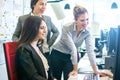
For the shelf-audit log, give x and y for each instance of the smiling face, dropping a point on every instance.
(40, 7)
(42, 31)
(82, 21)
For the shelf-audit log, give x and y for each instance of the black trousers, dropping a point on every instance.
(60, 63)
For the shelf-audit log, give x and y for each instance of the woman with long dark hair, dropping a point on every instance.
(31, 64)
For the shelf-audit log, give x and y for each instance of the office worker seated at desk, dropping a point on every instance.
(64, 53)
(31, 64)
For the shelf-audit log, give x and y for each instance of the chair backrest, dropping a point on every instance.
(10, 55)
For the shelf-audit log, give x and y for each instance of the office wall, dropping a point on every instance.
(10, 10)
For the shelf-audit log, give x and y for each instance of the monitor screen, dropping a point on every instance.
(111, 43)
(117, 64)
(104, 34)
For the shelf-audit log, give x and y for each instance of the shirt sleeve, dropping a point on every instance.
(90, 49)
(68, 42)
(55, 33)
(16, 34)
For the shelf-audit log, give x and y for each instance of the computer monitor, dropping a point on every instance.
(117, 64)
(104, 34)
(111, 42)
(101, 42)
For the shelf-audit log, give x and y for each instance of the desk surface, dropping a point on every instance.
(105, 78)
(84, 66)
(83, 77)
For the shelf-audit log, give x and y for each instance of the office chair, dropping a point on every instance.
(10, 54)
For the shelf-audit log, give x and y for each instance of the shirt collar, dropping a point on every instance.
(74, 28)
(34, 15)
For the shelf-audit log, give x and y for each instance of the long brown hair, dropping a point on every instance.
(30, 30)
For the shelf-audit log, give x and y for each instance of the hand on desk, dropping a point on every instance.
(105, 73)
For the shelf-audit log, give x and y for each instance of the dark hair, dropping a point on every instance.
(79, 10)
(33, 2)
(30, 30)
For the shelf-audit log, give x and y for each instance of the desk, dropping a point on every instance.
(105, 78)
(85, 68)
(89, 77)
